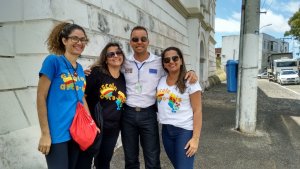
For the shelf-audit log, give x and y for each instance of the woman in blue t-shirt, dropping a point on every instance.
(61, 85)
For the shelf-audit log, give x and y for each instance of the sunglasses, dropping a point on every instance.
(143, 39)
(168, 59)
(114, 54)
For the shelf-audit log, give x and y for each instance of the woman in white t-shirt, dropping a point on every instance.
(179, 111)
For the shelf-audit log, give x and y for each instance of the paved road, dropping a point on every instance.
(279, 117)
(293, 88)
(275, 145)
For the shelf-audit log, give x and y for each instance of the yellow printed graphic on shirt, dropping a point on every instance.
(107, 92)
(159, 96)
(167, 95)
(68, 82)
(174, 102)
(120, 100)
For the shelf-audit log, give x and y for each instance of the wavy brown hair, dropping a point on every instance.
(180, 83)
(61, 30)
(101, 61)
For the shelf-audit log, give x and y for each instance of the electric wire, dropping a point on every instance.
(263, 4)
(269, 6)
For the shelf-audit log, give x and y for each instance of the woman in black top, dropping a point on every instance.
(106, 84)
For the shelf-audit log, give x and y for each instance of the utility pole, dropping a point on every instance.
(246, 108)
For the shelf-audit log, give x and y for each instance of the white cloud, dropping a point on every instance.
(279, 23)
(236, 16)
(278, 13)
(290, 7)
(232, 24)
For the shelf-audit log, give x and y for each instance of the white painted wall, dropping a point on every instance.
(230, 49)
(25, 26)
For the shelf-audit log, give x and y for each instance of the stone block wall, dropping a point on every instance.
(25, 25)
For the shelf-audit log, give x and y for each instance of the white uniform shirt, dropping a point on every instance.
(173, 107)
(141, 84)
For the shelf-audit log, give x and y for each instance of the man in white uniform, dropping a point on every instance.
(142, 71)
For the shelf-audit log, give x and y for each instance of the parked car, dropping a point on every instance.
(263, 75)
(288, 77)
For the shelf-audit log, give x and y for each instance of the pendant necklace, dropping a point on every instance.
(74, 69)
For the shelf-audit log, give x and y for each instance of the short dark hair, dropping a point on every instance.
(139, 28)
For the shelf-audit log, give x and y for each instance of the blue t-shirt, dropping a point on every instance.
(62, 99)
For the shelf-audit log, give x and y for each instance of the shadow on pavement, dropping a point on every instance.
(275, 145)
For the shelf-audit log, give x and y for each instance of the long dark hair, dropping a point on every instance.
(101, 61)
(61, 30)
(180, 83)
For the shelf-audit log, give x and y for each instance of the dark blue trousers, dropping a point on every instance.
(63, 155)
(140, 125)
(174, 141)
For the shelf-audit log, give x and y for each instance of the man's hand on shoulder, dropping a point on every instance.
(87, 72)
(191, 77)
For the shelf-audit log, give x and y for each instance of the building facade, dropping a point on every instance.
(218, 52)
(25, 26)
(267, 45)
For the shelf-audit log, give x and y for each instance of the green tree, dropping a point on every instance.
(294, 23)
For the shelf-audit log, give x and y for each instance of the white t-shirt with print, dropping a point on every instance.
(173, 107)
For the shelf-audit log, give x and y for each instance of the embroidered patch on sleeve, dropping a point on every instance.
(154, 71)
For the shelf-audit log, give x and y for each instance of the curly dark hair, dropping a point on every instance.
(101, 61)
(180, 83)
(61, 30)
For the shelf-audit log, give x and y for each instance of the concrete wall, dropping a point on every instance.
(25, 26)
(230, 48)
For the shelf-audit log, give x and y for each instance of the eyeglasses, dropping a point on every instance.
(76, 39)
(168, 59)
(113, 54)
(143, 39)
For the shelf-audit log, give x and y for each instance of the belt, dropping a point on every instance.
(140, 109)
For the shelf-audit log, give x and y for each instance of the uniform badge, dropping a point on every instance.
(153, 71)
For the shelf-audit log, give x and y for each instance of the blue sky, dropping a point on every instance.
(228, 14)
